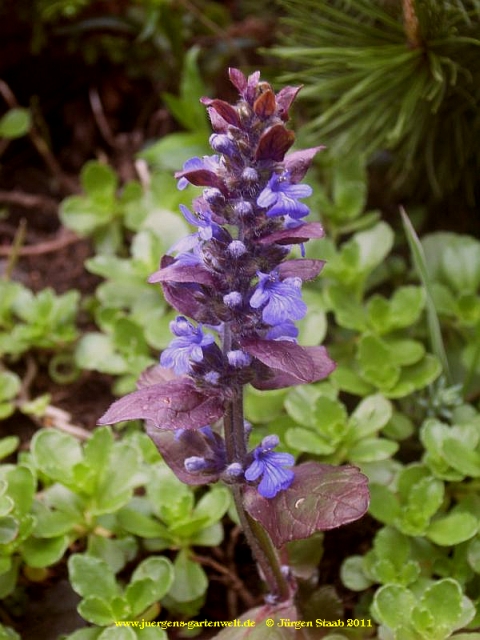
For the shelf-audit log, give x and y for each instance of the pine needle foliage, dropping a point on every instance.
(395, 75)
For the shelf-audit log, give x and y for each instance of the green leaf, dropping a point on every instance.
(190, 581)
(96, 610)
(390, 604)
(50, 523)
(8, 529)
(416, 376)
(443, 600)
(99, 180)
(453, 259)
(421, 265)
(349, 312)
(172, 151)
(7, 633)
(300, 404)
(39, 553)
(97, 351)
(402, 310)
(384, 506)
(372, 449)
(374, 244)
(370, 415)
(313, 328)
(8, 577)
(353, 575)
(91, 576)
(453, 529)
(140, 524)
(461, 455)
(116, 552)
(301, 439)
(15, 123)
(56, 453)
(172, 500)
(374, 357)
(263, 406)
(213, 505)
(117, 479)
(404, 352)
(187, 109)
(10, 385)
(150, 581)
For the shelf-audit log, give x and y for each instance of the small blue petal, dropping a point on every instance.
(271, 467)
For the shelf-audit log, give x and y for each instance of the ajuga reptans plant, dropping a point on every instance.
(238, 296)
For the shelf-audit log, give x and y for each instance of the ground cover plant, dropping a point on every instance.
(104, 531)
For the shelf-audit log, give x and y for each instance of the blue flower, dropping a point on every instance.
(271, 466)
(283, 331)
(187, 346)
(210, 163)
(282, 298)
(202, 220)
(280, 197)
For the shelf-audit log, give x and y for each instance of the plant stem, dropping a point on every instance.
(259, 541)
(263, 550)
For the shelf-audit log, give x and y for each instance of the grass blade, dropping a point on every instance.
(420, 263)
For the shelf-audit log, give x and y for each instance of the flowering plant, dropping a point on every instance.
(239, 296)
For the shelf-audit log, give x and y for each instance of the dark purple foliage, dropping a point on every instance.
(176, 404)
(321, 497)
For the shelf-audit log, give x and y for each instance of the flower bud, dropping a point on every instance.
(236, 248)
(223, 144)
(232, 299)
(195, 464)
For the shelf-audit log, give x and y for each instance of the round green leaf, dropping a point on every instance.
(55, 454)
(390, 604)
(453, 529)
(8, 529)
(353, 575)
(97, 351)
(371, 450)
(91, 576)
(190, 580)
(43, 552)
(15, 123)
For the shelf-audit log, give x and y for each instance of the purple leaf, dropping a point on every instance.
(285, 98)
(171, 405)
(321, 497)
(224, 109)
(176, 449)
(323, 366)
(298, 163)
(155, 375)
(294, 235)
(302, 268)
(183, 273)
(274, 143)
(301, 364)
(238, 80)
(265, 105)
(203, 178)
(189, 300)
